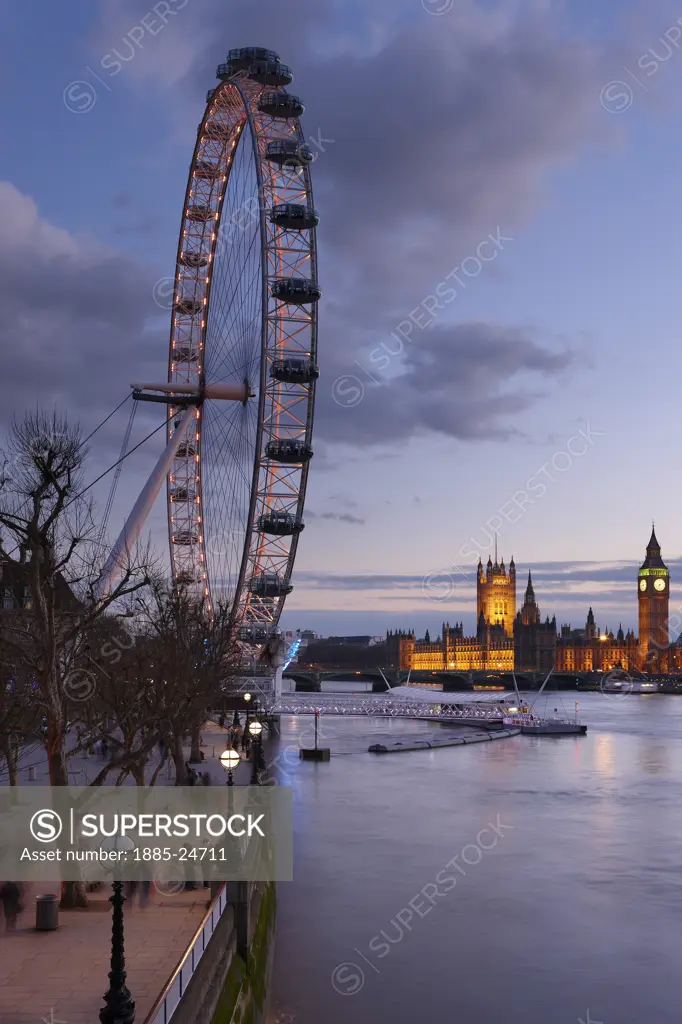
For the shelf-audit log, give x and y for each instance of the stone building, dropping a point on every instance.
(506, 639)
(496, 594)
(590, 650)
(535, 642)
(491, 649)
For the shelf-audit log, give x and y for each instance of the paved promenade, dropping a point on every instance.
(61, 976)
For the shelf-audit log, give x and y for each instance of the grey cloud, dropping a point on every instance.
(442, 129)
(460, 381)
(547, 577)
(74, 330)
(438, 130)
(341, 517)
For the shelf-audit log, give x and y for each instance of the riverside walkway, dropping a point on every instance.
(61, 976)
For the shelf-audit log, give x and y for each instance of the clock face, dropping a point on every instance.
(659, 584)
(642, 584)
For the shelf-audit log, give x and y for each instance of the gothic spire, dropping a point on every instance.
(653, 558)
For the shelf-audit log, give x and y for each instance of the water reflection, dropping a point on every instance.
(577, 906)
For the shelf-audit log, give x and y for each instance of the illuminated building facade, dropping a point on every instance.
(491, 649)
(653, 596)
(451, 652)
(590, 650)
(496, 594)
(507, 640)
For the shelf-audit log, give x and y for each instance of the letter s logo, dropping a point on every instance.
(46, 826)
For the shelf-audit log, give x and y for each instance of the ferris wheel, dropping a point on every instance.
(243, 346)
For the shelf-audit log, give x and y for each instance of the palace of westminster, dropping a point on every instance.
(509, 639)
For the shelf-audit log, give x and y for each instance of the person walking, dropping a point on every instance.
(145, 888)
(237, 735)
(10, 896)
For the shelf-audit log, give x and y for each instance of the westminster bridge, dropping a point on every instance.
(310, 680)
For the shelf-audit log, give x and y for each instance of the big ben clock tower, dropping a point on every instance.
(653, 592)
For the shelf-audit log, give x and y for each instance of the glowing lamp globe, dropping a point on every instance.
(229, 759)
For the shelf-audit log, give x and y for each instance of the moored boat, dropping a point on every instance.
(554, 727)
(634, 686)
(532, 724)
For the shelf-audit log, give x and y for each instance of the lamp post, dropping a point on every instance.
(255, 730)
(120, 1008)
(229, 759)
(247, 698)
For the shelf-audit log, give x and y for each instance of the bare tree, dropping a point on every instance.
(157, 677)
(19, 717)
(194, 655)
(50, 521)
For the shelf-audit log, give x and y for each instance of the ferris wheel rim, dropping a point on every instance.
(259, 492)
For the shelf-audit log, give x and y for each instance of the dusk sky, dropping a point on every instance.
(519, 161)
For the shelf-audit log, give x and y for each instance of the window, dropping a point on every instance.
(8, 598)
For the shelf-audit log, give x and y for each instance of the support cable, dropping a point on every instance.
(107, 471)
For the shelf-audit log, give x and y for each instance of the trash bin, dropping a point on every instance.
(47, 913)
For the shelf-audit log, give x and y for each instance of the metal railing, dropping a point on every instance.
(355, 705)
(176, 986)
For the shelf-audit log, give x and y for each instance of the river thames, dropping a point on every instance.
(530, 880)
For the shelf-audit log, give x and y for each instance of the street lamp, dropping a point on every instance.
(255, 730)
(120, 1008)
(229, 759)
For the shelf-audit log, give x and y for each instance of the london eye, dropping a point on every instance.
(243, 345)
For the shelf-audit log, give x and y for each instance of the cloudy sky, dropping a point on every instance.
(498, 182)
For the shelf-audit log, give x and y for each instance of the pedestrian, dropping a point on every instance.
(207, 778)
(246, 742)
(237, 734)
(221, 721)
(10, 895)
(145, 888)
